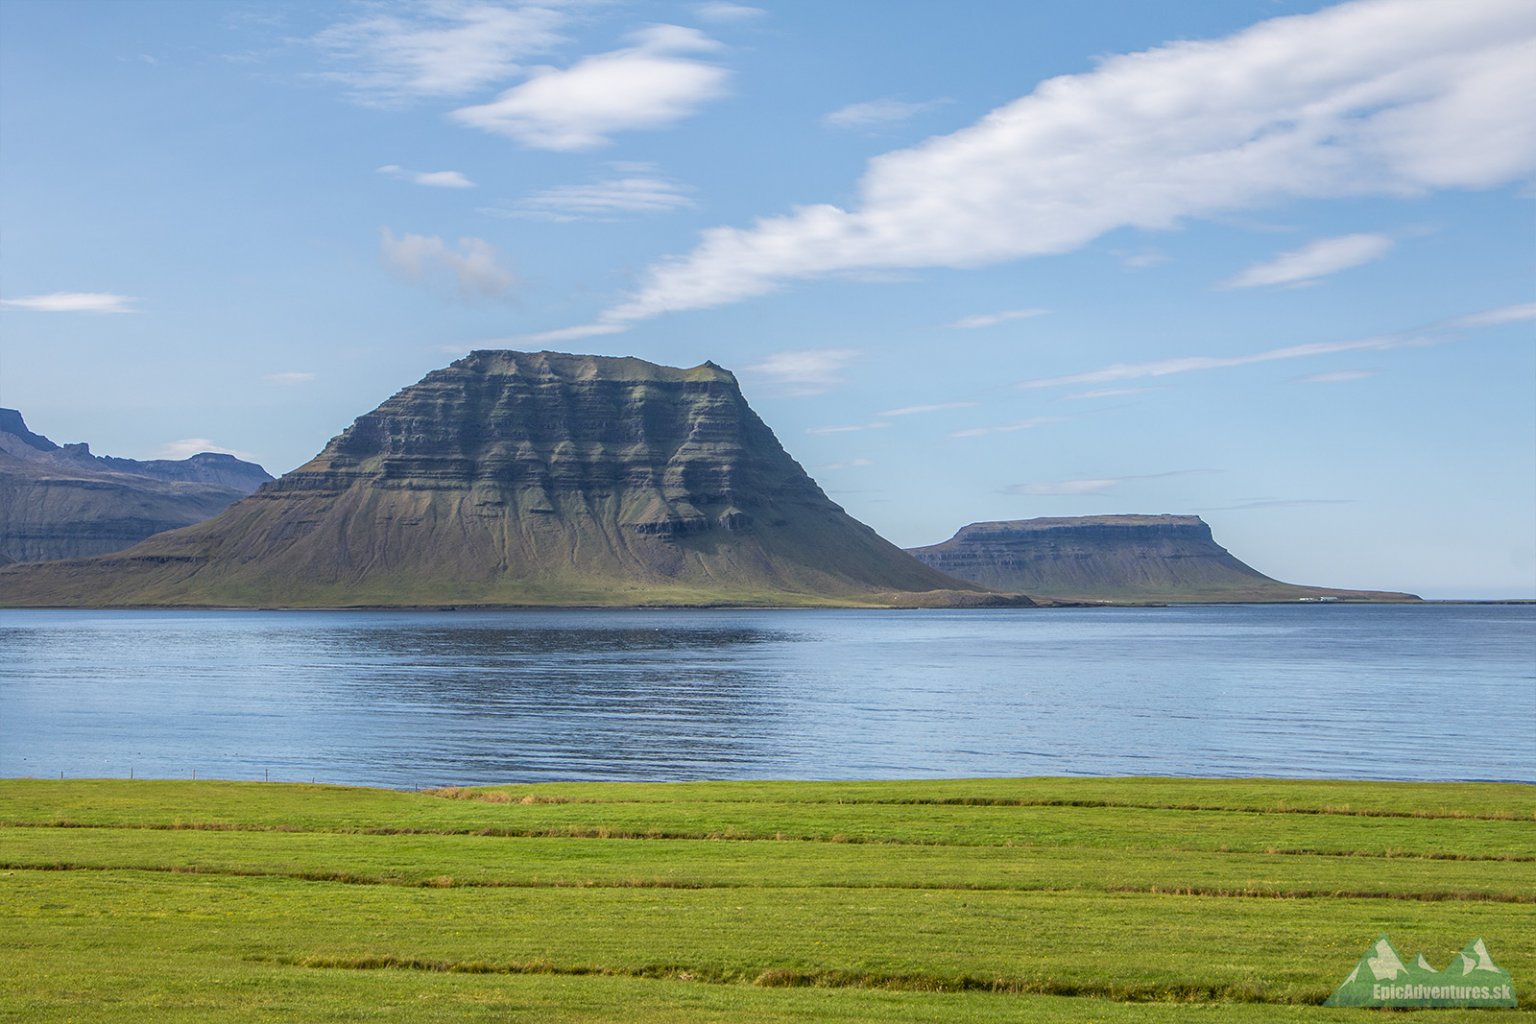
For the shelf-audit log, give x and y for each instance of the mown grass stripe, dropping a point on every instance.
(779, 977)
(497, 796)
(604, 832)
(449, 882)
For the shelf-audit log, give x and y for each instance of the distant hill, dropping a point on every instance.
(60, 501)
(524, 478)
(1114, 558)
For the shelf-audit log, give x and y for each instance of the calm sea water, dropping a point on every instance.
(430, 698)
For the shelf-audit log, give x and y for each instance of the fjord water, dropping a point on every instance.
(431, 698)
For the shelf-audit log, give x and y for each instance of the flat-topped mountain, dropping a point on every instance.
(524, 478)
(1114, 558)
(60, 501)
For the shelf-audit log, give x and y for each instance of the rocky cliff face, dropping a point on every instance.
(60, 501)
(1113, 558)
(523, 478)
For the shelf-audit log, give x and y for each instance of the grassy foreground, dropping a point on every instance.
(959, 900)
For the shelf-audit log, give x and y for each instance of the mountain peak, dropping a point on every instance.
(11, 422)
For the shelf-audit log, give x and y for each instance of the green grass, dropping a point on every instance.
(991, 899)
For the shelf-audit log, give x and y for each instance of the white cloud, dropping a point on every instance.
(1004, 428)
(850, 464)
(804, 372)
(1337, 376)
(436, 48)
(1073, 487)
(289, 377)
(650, 85)
(1495, 317)
(1064, 487)
(1421, 337)
(190, 446)
(882, 113)
(1375, 97)
(1105, 393)
(1310, 262)
(73, 302)
(472, 264)
(601, 200)
(1189, 364)
(969, 323)
(1277, 503)
(1142, 259)
(852, 428)
(432, 179)
(918, 410)
(568, 334)
(722, 13)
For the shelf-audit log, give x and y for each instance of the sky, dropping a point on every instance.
(1272, 263)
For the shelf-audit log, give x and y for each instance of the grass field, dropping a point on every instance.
(957, 900)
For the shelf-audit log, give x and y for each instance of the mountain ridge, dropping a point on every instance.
(62, 501)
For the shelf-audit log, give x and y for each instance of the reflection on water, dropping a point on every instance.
(408, 698)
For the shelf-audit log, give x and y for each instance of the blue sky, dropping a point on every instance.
(1266, 262)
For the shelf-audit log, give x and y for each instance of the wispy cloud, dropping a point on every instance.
(602, 200)
(1142, 259)
(1067, 488)
(970, 323)
(1336, 376)
(1422, 337)
(437, 48)
(850, 464)
(568, 334)
(190, 446)
(881, 113)
(1063, 487)
(850, 428)
(432, 179)
(289, 377)
(1246, 506)
(73, 302)
(1084, 396)
(722, 13)
(1190, 364)
(653, 84)
(804, 372)
(1369, 98)
(919, 410)
(1005, 428)
(1319, 259)
(1495, 317)
(471, 264)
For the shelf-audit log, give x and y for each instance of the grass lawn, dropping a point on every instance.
(954, 900)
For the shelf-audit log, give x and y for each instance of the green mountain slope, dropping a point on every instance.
(518, 478)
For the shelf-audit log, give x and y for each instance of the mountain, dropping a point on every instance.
(60, 501)
(524, 478)
(1114, 558)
